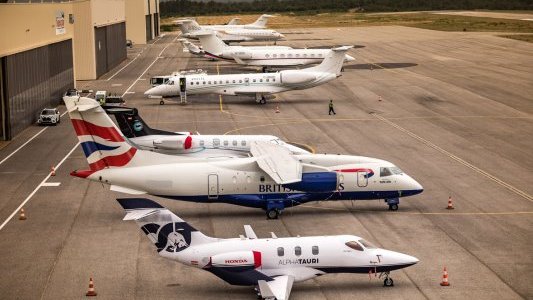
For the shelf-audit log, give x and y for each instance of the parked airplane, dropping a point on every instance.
(214, 48)
(185, 143)
(192, 48)
(260, 23)
(271, 179)
(256, 84)
(189, 29)
(271, 265)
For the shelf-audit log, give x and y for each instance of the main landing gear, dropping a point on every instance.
(274, 209)
(261, 99)
(273, 214)
(161, 102)
(387, 282)
(393, 203)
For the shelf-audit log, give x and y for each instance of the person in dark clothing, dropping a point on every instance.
(331, 110)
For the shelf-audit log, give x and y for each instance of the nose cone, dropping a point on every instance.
(155, 91)
(396, 260)
(281, 36)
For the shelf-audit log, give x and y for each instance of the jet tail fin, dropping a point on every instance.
(187, 25)
(131, 124)
(262, 21)
(333, 61)
(168, 232)
(211, 43)
(234, 21)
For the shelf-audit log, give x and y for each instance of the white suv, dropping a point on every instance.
(49, 116)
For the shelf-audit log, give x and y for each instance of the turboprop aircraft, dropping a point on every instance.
(269, 56)
(254, 84)
(185, 143)
(271, 178)
(189, 29)
(271, 265)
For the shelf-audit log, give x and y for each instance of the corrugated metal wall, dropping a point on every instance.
(149, 28)
(156, 24)
(110, 46)
(35, 79)
(3, 112)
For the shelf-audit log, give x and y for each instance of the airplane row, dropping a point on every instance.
(258, 171)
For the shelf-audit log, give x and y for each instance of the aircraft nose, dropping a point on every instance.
(281, 35)
(398, 259)
(415, 186)
(151, 92)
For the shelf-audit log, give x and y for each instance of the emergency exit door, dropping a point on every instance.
(246, 81)
(362, 179)
(212, 186)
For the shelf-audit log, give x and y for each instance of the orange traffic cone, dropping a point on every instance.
(91, 292)
(450, 203)
(22, 216)
(445, 278)
(277, 109)
(52, 171)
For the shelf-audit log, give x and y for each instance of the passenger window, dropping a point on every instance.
(268, 80)
(384, 172)
(203, 82)
(234, 143)
(240, 81)
(275, 55)
(312, 55)
(260, 80)
(243, 143)
(267, 56)
(227, 81)
(289, 55)
(254, 80)
(315, 250)
(282, 56)
(209, 82)
(367, 244)
(281, 251)
(305, 55)
(298, 250)
(216, 142)
(202, 143)
(233, 81)
(354, 245)
(273, 79)
(226, 143)
(297, 55)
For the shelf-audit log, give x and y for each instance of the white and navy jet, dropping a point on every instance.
(229, 33)
(255, 84)
(185, 143)
(260, 23)
(272, 178)
(263, 56)
(271, 265)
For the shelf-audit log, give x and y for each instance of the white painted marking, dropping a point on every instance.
(148, 68)
(38, 187)
(22, 146)
(527, 19)
(51, 184)
(142, 79)
(116, 84)
(130, 93)
(130, 61)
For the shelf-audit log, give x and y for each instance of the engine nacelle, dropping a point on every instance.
(179, 143)
(315, 182)
(239, 260)
(296, 77)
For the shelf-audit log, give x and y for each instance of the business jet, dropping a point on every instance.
(271, 265)
(271, 179)
(189, 29)
(269, 56)
(260, 23)
(256, 84)
(192, 48)
(144, 137)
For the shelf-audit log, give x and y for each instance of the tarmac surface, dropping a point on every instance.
(455, 114)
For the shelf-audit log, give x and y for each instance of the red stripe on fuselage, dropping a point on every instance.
(85, 128)
(354, 170)
(257, 259)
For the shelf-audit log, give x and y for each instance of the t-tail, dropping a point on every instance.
(168, 232)
(131, 124)
(211, 43)
(188, 26)
(333, 61)
(234, 21)
(262, 21)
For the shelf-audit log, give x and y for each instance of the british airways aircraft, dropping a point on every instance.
(229, 33)
(268, 56)
(254, 84)
(271, 265)
(271, 179)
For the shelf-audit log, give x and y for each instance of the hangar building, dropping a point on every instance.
(45, 47)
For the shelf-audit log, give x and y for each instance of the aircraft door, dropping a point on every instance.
(212, 186)
(362, 179)
(246, 81)
(183, 84)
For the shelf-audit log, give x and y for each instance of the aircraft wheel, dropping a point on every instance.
(393, 207)
(263, 101)
(388, 282)
(161, 102)
(272, 214)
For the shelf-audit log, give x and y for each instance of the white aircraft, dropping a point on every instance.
(260, 23)
(185, 143)
(232, 34)
(192, 48)
(213, 47)
(256, 84)
(271, 265)
(271, 178)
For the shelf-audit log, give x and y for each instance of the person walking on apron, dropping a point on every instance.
(331, 110)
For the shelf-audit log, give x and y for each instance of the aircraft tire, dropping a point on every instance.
(388, 282)
(393, 207)
(263, 101)
(161, 102)
(272, 214)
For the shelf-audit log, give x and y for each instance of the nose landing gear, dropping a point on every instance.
(393, 203)
(387, 282)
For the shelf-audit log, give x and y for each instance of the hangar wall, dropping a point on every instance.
(142, 20)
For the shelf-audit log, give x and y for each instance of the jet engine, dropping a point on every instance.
(176, 143)
(239, 260)
(315, 182)
(296, 77)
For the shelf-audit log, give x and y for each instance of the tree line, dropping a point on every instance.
(192, 8)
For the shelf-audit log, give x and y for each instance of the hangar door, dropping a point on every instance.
(156, 24)
(110, 47)
(149, 27)
(32, 80)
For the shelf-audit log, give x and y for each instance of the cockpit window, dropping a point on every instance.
(396, 170)
(367, 244)
(388, 171)
(170, 82)
(354, 245)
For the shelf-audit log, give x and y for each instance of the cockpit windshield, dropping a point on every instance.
(354, 245)
(170, 82)
(367, 244)
(388, 171)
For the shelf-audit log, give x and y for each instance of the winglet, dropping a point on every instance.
(249, 232)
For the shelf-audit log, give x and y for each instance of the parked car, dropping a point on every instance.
(129, 43)
(49, 116)
(114, 100)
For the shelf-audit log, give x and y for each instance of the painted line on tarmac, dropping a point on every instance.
(148, 68)
(43, 183)
(458, 159)
(139, 54)
(22, 146)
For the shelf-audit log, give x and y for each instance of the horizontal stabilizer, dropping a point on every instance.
(125, 190)
(138, 203)
(279, 288)
(277, 162)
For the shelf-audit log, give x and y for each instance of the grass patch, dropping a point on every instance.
(520, 37)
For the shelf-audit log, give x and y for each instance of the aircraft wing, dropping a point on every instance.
(279, 288)
(277, 162)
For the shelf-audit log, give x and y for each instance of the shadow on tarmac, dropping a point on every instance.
(378, 66)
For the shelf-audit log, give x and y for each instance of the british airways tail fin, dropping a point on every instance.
(168, 232)
(333, 61)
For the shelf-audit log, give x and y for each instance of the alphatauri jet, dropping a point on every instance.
(272, 178)
(255, 84)
(231, 34)
(271, 265)
(268, 56)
